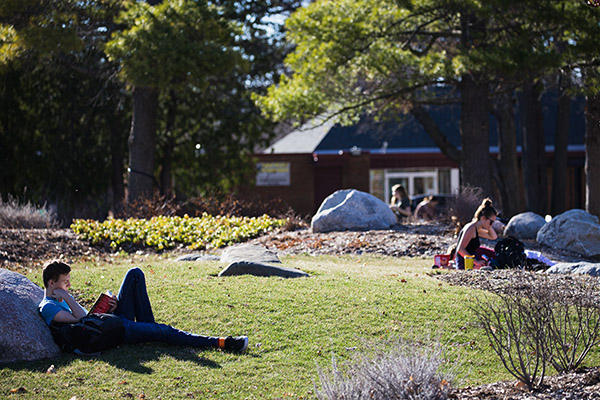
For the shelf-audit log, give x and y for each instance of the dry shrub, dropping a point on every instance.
(232, 205)
(536, 320)
(462, 207)
(157, 205)
(294, 221)
(14, 215)
(227, 205)
(407, 370)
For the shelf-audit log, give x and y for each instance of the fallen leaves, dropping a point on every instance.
(521, 385)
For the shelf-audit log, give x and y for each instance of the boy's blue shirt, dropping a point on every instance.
(49, 307)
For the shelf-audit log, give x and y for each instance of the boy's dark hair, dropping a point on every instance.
(53, 269)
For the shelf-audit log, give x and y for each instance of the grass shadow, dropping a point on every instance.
(125, 357)
(133, 357)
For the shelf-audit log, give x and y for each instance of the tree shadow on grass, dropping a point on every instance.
(125, 357)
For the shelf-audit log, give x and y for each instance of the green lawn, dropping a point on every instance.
(294, 325)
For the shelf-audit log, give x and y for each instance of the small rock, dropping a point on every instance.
(258, 269)
(581, 268)
(198, 257)
(248, 252)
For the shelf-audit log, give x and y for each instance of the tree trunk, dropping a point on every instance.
(534, 164)
(475, 134)
(142, 141)
(116, 160)
(561, 143)
(592, 154)
(166, 176)
(475, 158)
(511, 191)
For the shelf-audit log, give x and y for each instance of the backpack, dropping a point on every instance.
(92, 334)
(510, 253)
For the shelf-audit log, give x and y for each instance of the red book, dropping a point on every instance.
(101, 305)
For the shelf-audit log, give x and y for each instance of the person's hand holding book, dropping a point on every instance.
(113, 302)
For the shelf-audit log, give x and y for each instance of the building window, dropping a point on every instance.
(420, 182)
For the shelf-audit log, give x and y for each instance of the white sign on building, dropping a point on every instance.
(273, 174)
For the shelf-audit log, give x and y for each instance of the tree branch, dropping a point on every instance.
(435, 133)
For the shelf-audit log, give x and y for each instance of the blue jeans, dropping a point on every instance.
(136, 312)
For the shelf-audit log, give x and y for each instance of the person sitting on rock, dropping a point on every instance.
(400, 203)
(427, 209)
(132, 305)
(468, 238)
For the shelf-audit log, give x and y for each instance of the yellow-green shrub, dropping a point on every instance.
(163, 232)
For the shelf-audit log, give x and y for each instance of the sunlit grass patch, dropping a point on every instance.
(295, 326)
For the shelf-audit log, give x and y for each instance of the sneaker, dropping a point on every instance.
(236, 343)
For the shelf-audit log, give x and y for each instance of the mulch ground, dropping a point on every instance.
(583, 384)
(29, 248)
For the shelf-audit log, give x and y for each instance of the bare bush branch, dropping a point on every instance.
(406, 371)
(533, 320)
(574, 322)
(14, 215)
(514, 324)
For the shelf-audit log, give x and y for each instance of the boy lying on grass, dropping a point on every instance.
(133, 307)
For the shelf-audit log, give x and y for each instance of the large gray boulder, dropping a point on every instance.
(23, 333)
(574, 230)
(525, 225)
(352, 209)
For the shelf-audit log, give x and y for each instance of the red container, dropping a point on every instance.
(441, 260)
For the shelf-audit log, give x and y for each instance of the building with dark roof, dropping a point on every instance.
(313, 161)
